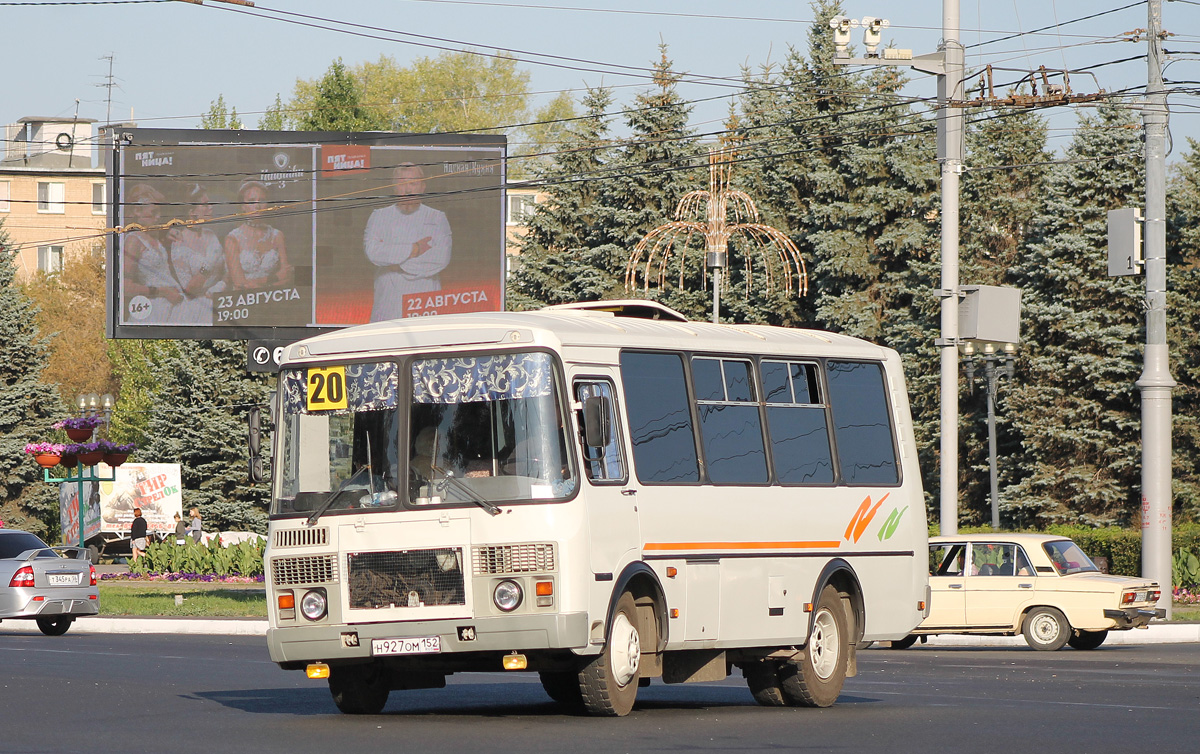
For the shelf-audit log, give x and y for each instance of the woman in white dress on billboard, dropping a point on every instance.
(255, 252)
(150, 290)
(198, 261)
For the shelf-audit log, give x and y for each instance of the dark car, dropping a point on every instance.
(50, 585)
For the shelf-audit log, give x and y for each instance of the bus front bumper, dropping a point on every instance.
(322, 643)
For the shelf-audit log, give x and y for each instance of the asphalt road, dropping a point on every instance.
(176, 694)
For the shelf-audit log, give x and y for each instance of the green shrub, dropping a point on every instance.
(242, 559)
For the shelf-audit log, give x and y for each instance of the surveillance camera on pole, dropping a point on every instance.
(841, 34)
(873, 33)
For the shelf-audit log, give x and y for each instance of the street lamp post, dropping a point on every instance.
(995, 366)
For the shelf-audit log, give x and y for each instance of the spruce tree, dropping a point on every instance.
(1183, 321)
(557, 264)
(1002, 192)
(28, 406)
(1073, 402)
(653, 169)
(199, 420)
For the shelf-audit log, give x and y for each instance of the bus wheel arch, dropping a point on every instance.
(841, 576)
(640, 581)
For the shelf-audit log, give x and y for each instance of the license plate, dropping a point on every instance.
(1140, 596)
(420, 645)
(64, 579)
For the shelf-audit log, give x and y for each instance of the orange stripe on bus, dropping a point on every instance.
(741, 545)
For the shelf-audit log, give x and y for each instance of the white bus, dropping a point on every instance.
(605, 494)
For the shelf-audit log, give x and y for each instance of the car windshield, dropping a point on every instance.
(487, 428)
(13, 543)
(339, 443)
(1068, 558)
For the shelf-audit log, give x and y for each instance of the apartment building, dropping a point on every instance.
(53, 199)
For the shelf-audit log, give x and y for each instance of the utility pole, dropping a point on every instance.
(950, 157)
(1156, 382)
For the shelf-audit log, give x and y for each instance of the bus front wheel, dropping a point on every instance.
(762, 678)
(609, 683)
(359, 689)
(816, 678)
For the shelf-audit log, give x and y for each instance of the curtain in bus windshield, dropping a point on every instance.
(340, 430)
(492, 425)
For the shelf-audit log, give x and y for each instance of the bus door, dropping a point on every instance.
(611, 502)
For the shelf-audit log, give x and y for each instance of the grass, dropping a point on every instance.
(1184, 613)
(199, 599)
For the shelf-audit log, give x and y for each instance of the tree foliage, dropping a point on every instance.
(28, 406)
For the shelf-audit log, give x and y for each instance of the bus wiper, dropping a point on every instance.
(345, 486)
(465, 489)
(324, 506)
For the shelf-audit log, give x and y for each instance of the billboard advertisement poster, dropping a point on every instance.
(245, 235)
(68, 510)
(156, 488)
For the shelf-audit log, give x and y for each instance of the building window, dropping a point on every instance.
(50, 259)
(99, 203)
(520, 208)
(52, 197)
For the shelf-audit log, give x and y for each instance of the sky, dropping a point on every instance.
(170, 60)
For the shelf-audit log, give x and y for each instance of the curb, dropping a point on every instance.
(133, 625)
(1157, 633)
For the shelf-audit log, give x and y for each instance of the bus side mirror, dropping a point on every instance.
(597, 423)
(256, 427)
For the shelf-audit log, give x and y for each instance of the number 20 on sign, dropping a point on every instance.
(326, 388)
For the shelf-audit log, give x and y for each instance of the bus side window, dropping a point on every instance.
(598, 436)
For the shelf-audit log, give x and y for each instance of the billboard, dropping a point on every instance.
(282, 235)
(156, 488)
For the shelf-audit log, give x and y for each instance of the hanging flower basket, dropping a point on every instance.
(79, 428)
(69, 460)
(90, 453)
(47, 454)
(116, 454)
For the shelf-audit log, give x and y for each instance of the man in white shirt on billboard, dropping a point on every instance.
(409, 244)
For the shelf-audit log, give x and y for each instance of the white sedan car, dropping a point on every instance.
(50, 585)
(1042, 586)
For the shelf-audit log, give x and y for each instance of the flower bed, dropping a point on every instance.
(203, 577)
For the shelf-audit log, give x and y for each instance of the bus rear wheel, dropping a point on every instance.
(562, 687)
(762, 678)
(815, 680)
(359, 689)
(609, 683)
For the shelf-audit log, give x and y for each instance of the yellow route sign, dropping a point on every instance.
(326, 388)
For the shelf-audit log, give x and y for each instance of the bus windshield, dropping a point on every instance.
(340, 430)
(487, 428)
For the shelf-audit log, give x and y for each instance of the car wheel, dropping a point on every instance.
(816, 680)
(1087, 639)
(1046, 629)
(563, 687)
(359, 689)
(905, 643)
(762, 678)
(55, 626)
(609, 683)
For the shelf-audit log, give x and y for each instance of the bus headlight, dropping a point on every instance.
(314, 604)
(507, 596)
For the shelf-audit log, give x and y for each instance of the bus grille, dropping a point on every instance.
(302, 537)
(406, 578)
(525, 558)
(317, 569)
